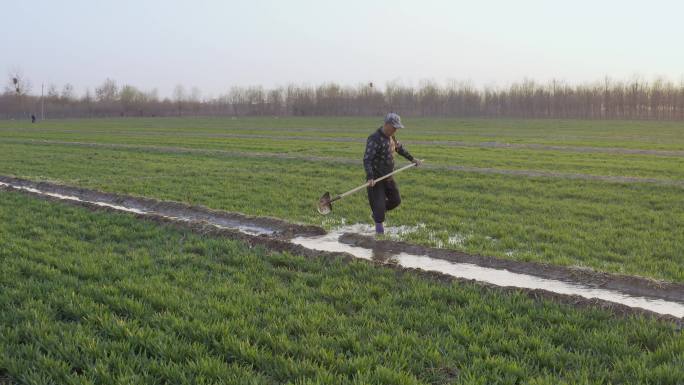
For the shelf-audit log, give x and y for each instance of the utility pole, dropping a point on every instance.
(42, 102)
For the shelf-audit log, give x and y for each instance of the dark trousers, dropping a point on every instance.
(382, 197)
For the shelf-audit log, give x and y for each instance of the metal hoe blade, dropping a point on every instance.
(324, 204)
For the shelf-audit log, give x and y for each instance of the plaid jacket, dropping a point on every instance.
(378, 160)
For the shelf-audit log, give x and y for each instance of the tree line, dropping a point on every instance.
(658, 99)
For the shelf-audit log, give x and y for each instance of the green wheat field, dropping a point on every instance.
(106, 298)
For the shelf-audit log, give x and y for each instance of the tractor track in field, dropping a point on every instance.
(340, 160)
(279, 235)
(456, 143)
(441, 143)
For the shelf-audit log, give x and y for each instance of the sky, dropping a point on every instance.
(214, 45)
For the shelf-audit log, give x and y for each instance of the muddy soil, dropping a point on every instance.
(631, 285)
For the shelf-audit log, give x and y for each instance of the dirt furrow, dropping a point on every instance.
(257, 225)
(338, 160)
(206, 220)
(444, 143)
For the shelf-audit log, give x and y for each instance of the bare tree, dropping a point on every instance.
(179, 98)
(87, 101)
(17, 88)
(195, 99)
(17, 84)
(605, 99)
(52, 93)
(274, 99)
(131, 99)
(107, 92)
(67, 93)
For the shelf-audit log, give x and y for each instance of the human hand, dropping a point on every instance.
(371, 182)
(417, 162)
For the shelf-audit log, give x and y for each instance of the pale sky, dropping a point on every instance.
(214, 44)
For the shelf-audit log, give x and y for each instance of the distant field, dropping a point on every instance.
(628, 134)
(107, 298)
(548, 198)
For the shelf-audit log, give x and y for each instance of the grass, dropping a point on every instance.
(631, 228)
(216, 134)
(627, 134)
(639, 166)
(105, 298)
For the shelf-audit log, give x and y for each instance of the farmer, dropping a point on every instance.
(378, 161)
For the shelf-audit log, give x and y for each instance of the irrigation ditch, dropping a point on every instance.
(621, 294)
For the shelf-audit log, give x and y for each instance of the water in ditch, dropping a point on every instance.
(500, 277)
(331, 243)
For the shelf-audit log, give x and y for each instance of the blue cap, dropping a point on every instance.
(394, 120)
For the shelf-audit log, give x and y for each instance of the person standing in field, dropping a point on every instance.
(378, 161)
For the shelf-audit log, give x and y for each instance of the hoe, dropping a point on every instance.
(325, 203)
